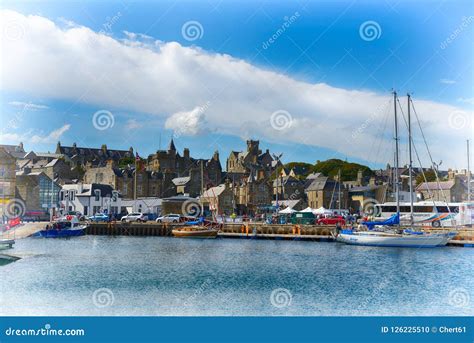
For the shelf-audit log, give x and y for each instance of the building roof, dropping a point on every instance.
(433, 186)
(88, 189)
(16, 151)
(214, 191)
(181, 181)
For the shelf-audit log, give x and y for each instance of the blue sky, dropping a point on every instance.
(322, 45)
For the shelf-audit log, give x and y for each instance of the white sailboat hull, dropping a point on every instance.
(394, 240)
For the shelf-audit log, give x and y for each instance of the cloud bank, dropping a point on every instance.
(171, 81)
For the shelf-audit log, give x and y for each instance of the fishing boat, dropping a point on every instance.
(389, 233)
(62, 229)
(199, 228)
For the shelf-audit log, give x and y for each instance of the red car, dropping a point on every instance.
(331, 221)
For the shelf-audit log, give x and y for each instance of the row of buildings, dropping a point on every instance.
(92, 180)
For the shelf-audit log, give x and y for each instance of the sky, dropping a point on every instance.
(311, 80)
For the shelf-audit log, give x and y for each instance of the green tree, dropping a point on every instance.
(348, 170)
(430, 176)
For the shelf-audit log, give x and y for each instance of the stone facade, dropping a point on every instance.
(79, 156)
(219, 199)
(7, 179)
(149, 183)
(324, 192)
(452, 191)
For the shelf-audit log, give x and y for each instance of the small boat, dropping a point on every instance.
(62, 229)
(6, 243)
(414, 239)
(195, 232)
(199, 228)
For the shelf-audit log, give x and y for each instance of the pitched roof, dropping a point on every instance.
(214, 191)
(180, 181)
(433, 186)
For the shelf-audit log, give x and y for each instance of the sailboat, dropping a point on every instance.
(389, 233)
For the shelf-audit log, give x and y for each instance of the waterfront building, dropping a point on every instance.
(288, 187)
(122, 179)
(252, 193)
(90, 199)
(220, 199)
(324, 192)
(7, 179)
(452, 191)
(147, 205)
(38, 192)
(55, 168)
(361, 196)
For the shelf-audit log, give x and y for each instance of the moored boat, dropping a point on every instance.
(62, 229)
(195, 232)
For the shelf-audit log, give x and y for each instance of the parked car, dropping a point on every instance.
(169, 218)
(99, 217)
(135, 217)
(331, 221)
(76, 214)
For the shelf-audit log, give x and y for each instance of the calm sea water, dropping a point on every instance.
(95, 275)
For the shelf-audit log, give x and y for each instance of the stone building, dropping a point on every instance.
(241, 164)
(38, 192)
(7, 180)
(55, 168)
(185, 170)
(252, 193)
(149, 183)
(79, 156)
(324, 192)
(17, 151)
(452, 191)
(220, 199)
(288, 188)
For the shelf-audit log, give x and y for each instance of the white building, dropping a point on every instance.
(90, 199)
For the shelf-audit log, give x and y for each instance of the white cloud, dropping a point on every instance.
(447, 81)
(467, 100)
(52, 137)
(167, 80)
(34, 138)
(133, 124)
(28, 105)
(188, 123)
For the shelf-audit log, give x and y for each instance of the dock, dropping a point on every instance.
(318, 233)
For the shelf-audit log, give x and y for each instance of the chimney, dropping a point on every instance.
(216, 156)
(80, 188)
(359, 177)
(186, 152)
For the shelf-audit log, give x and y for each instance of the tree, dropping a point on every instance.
(348, 170)
(430, 177)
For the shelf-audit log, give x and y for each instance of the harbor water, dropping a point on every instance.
(98, 275)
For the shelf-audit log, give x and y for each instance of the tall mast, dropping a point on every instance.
(410, 167)
(202, 187)
(339, 182)
(397, 185)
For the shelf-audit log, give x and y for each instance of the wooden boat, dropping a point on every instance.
(195, 232)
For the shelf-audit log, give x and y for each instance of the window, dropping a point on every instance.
(97, 194)
(86, 210)
(72, 195)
